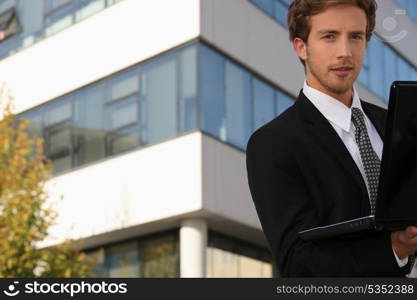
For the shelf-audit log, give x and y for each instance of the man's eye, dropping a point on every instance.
(328, 36)
(357, 37)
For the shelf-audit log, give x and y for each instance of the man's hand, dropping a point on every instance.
(404, 242)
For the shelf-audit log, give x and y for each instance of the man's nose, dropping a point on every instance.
(344, 48)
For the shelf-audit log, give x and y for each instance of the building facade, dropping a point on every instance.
(146, 107)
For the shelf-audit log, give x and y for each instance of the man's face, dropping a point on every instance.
(335, 49)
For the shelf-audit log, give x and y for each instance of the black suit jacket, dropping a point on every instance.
(301, 176)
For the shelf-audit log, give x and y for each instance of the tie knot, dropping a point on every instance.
(357, 118)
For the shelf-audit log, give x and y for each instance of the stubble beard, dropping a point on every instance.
(338, 89)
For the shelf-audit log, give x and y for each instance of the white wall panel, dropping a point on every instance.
(113, 39)
(154, 183)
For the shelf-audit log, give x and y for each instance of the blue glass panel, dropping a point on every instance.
(366, 61)
(211, 85)
(88, 103)
(88, 124)
(58, 111)
(263, 105)
(265, 5)
(122, 140)
(280, 12)
(403, 69)
(122, 113)
(376, 67)
(86, 8)
(283, 102)
(238, 105)
(59, 20)
(123, 84)
(123, 260)
(188, 89)
(31, 16)
(364, 77)
(413, 9)
(414, 74)
(390, 70)
(159, 91)
(35, 122)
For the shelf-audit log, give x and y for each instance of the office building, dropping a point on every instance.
(146, 107)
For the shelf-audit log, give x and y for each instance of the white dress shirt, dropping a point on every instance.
(340, 117)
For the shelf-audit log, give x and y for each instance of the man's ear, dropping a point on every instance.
(300, 48)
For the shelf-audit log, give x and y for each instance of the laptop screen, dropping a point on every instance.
(397, 194)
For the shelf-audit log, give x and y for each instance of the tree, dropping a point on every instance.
(25, 215)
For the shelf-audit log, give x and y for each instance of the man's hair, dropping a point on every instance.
(300, 11)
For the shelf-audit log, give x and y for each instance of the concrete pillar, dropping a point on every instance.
(193, 245)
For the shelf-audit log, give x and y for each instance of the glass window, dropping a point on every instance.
(122, 113)
(413, 9)
(238, 105)
(155, 256)
(159, 80)
(390, 70)
(122, 140)
(123, 260)
(159, 257)
(51, 5)
(58, 133)
(58, 146)
(212, 92)
(61, 163)
(31, 15)
(97, 258)
(58, 111)
(124, 84)
(233, 259)
(86, 8)
(42, 18)
(265, 5)
(35, 122)
(88, 124)
(9, 24)
(263, 102)
(403, 69)
(414, 74)
(280, 12)
(59, 139)
(364, 74)
(59, 20)
(283, 102)
(188, 89)
(376, 67)
(410, 6)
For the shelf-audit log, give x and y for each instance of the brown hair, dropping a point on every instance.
(300, 11)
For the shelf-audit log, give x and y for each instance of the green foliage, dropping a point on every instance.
(24, 214)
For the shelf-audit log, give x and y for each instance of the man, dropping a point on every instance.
(318, 162)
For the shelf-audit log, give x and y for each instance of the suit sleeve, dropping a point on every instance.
(284, 207)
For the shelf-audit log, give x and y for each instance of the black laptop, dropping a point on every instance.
(396, 204)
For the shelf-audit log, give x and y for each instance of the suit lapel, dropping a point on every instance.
(323, 131)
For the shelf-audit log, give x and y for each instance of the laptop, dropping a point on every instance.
(396, 203)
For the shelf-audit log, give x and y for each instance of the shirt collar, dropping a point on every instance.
(331, 108)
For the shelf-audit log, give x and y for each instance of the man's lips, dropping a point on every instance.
(342, 70)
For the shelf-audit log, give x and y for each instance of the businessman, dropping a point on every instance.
(318, 162)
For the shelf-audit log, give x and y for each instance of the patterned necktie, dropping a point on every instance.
(370, 159)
